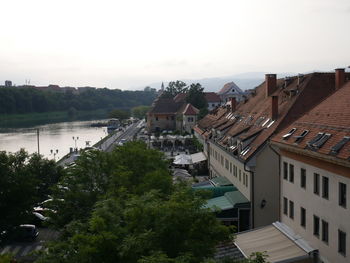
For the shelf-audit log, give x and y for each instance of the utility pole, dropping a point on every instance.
(37, 135)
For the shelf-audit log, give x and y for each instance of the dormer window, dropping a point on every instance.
(287, 135)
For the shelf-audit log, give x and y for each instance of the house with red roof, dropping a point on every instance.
(236, 139)
(315, 174)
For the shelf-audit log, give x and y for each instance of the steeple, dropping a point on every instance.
(162, 87)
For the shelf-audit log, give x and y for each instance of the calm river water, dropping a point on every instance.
(57, 136)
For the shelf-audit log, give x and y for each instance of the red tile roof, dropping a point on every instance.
(212, 97)
(190, 110)
(253, 117)
(331, 116)
(180, 97)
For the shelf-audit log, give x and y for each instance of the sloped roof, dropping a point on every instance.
(228, 87)
(212, 97)
(165, 106)
(253, 117)
(331, 116)
(180, 97)
(190, 110)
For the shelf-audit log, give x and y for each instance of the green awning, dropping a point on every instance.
(220, 181)
(229, 200)
(216, 191)
(218, 202)
(236, 198)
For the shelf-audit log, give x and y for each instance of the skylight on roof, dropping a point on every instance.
(319, 140)
(287, 135)
(245, 151)
(269, 125)
(336, 148)
(259, 120)
(300, 137)
(265, 123)
(316, 138)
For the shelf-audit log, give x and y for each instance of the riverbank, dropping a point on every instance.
(31, 119)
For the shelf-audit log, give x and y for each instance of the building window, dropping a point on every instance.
(172, 118)
(226, 164)
(213, 105)
(316, 226)
(325, 187)
(230, 168)
(235, 171)
(342, 195)
(216, 155)
(291, 173)
(342, 242)
(244, 179)
(302, 216)
(167, 117)
(239, 174)
(190, 119)
(303, 178)
(285, 170)
(285, 206)
(325, 231)
(291, 209)
(222, 160)
(316, 184)
(156, 118)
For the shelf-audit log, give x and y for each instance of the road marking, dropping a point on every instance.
(4, 251)
(26, 250)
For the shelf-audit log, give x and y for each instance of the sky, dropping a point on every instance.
(129, 44)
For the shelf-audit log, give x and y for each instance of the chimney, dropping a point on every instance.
(270, 83)
(339, 78)
(233, 104)
(274, 108)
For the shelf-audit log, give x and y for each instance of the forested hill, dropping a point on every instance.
(29, 100)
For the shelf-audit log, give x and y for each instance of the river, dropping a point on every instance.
(52, 137)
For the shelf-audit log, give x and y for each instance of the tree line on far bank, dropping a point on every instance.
(29, 100)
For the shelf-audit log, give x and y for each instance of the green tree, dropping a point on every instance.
(119, 114)
(140, 111)
(196, 96)
(24, 181)
(174, 88)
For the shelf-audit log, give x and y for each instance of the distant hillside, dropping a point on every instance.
(245, 81)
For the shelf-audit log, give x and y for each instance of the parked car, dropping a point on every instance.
(122, 142)
(21, 233)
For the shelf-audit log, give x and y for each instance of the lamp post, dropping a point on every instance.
(54, 152)
(75, 141)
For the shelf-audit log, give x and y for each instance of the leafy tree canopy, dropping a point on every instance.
(140, 111)
(119, 114)
(174, 88)
(196, 96)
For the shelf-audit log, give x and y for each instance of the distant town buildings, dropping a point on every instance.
(51, 87)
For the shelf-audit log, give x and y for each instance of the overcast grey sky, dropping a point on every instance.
(130, 43)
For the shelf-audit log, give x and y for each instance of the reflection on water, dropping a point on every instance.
(57, 136)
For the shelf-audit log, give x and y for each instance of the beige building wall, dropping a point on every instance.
(326, 209)
(188, 122)
(266, 187)
(224, 164)
(203, 142)
(162, 121)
